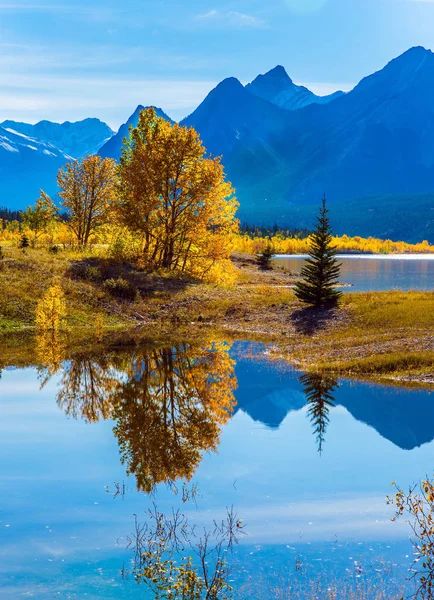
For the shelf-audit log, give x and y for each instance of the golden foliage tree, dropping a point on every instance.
(87, 191)
(41, 217)
(175, 197)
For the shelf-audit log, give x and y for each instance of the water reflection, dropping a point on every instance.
(319, 389)
(168, 404)
(59, 524)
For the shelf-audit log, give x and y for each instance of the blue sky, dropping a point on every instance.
(69, 59)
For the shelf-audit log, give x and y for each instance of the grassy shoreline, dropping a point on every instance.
(388, 336)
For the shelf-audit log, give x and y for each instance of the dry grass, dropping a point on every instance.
(387, 334)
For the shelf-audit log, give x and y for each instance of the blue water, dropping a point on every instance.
(377, 272)
(63, 534)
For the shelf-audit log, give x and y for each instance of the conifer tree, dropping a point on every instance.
(264, 258)
(321, 270)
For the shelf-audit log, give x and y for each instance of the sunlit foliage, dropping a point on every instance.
(87, 190)
(41, 219)
(344, 244)
(175, 198)
(51, 310)
(418, 505)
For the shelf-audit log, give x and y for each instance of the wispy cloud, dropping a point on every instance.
(32, 98)
(232, 18)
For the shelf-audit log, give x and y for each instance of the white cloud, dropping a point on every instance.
(232, 18)
(32, 98)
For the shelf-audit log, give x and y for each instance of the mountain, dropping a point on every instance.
(112, 148)
(278, 88)
(246, 131)
(75, 139)
(370, 150)
(26, 165)
(375, 141)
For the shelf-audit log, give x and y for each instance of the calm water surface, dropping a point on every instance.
(376, 272)
(309, 478)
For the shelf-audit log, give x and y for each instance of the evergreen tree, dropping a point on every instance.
(24, 242)
(264, 258)
(321, 270)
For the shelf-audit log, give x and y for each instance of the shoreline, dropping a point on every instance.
(387, 336)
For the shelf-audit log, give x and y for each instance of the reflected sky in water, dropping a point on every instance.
(369, 273)
(63, 534)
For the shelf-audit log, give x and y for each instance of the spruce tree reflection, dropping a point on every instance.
(168, 405)
(319, 390)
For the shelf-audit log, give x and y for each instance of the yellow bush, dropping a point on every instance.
(51, 310)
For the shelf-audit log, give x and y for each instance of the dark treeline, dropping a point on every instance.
(9, 215)
(274, 230)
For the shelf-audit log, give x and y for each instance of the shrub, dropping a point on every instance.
(51, 310)
(24, 242)
(264, 258)
(120, 288)
(86, 272)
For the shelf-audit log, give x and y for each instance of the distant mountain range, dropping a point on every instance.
(278, 88)
(370, 150)
(75, 139)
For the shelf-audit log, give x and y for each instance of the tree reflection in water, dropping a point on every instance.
(168, 404)
(319, 390)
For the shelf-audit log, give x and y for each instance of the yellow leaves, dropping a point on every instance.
(51, 310)
(344, 244)
(87, 191)
(175, 197)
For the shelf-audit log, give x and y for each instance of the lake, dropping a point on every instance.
(377, 272)
(305, 461)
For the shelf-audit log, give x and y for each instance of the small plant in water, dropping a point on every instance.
(418, 504)
(175, 562)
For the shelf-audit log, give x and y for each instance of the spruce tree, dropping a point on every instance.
(265, 257)
(321, 270)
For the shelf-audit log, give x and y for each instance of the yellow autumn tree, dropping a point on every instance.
(87, 191)
(51, 310)
(175, 197)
